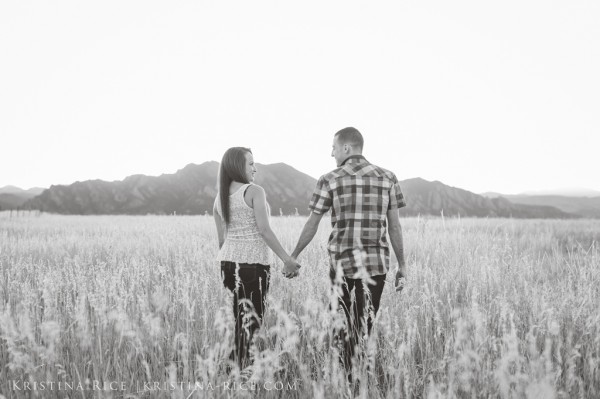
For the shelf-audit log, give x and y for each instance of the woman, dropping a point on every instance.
(242, 217)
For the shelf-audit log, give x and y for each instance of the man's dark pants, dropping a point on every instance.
(364, 307)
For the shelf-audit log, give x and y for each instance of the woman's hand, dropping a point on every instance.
(291, 268)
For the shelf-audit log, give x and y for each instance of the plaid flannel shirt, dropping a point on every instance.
(359, 195)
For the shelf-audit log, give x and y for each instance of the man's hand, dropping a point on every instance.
(400, 278)
(291, 268)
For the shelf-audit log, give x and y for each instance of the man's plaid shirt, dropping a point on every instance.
(359, 195)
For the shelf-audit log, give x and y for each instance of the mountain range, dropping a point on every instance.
(12, 197)
(434, 198)
(564, 192)
(192, 190)
(588, 207)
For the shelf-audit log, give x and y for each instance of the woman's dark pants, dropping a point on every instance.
(249, 284)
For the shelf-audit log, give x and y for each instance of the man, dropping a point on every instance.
(361, 197)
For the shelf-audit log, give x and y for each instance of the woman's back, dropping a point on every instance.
(243, 242)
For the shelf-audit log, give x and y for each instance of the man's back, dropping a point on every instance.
(359, 195)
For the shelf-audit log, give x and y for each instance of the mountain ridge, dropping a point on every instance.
(584, 206)
(193, 188)
(12, 197)
(189, 190)
(576, 192)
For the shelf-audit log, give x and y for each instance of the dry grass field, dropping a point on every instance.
(124, 306)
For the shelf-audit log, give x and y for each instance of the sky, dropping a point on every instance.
(485, 96)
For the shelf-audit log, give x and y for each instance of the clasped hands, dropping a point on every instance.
(291, 268)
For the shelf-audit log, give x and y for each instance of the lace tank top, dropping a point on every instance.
(243, 243)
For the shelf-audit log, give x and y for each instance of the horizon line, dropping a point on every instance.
(529, 192)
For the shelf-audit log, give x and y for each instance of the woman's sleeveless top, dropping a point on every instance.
(243, 243)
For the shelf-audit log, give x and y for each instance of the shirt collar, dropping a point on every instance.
(354, 159)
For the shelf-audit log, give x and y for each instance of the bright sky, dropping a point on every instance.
(487, 96)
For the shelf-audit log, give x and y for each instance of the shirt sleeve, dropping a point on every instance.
(397, 200)
(321, 198)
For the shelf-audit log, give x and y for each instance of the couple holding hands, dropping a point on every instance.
(364, 200)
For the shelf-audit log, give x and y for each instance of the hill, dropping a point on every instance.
(431, 198)
(192, 190)
(563, 192)
(12, 197)
(584, 206)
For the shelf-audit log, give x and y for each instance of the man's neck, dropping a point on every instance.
(352, 156)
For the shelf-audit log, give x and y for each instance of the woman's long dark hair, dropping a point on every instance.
(233, 168)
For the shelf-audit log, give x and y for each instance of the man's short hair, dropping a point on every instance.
(352, 136)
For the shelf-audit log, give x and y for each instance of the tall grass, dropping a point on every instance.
(492, 308)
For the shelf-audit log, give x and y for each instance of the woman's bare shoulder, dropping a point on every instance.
(255, 189)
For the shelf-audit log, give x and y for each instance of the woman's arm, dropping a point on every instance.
(259, 203)
(219, 223)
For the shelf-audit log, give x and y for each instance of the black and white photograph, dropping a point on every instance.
(318, 199)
